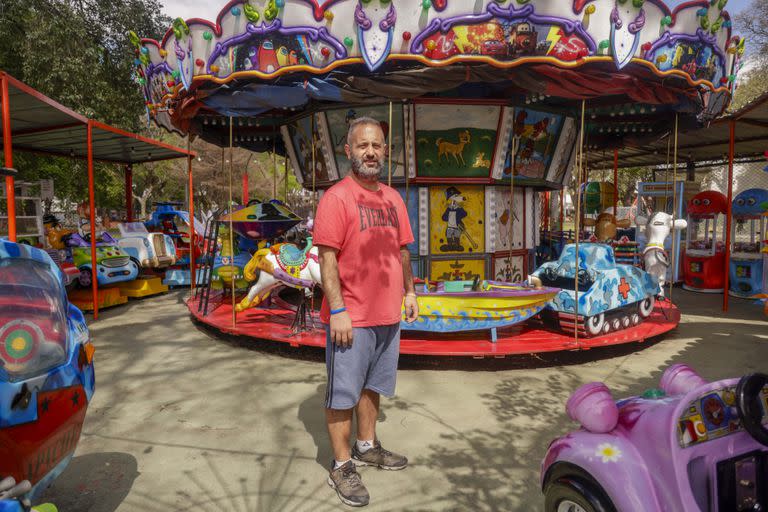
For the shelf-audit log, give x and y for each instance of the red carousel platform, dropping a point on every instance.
(528, 338)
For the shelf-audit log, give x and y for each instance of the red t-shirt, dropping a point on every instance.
(368, 228)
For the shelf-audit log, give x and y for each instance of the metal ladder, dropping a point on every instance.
(203, 292)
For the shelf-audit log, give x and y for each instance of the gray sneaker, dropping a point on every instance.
(379, 457)
(348, 485)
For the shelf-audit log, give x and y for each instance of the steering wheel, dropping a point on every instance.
(748, 405)
(550, 274)
(476, 284)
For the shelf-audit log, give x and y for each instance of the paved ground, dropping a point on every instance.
(182, 421)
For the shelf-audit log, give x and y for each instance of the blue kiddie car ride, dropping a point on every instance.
(611, 296)
(46, 374)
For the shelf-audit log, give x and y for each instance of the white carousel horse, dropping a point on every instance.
(657, 229)
(284, 264)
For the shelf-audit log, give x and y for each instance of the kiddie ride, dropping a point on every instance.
(690, 446)
(482, 104)
(152, 252)
(166, 219)
(46, 375)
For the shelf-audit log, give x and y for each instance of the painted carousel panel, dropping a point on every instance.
(456, 219)
(455, 140)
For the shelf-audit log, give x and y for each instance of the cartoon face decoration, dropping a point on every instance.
(709, 202)
(626, 24)
(751, 202)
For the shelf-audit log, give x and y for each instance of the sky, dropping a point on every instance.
(209, 9)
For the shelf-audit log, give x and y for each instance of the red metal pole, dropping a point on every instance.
(129, 193)
(92, 208)
(728, 215)
(10, 192)
(245, 188)
(615, 182)
(192, 242)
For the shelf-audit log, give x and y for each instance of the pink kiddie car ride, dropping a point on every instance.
(690, 446)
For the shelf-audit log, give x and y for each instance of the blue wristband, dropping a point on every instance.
(337, 311)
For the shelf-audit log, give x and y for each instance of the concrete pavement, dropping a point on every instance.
(185, 421)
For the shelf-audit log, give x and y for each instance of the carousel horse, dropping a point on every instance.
(657, 229)
(285, 264)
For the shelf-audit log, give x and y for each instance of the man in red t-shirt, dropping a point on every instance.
(362, 232)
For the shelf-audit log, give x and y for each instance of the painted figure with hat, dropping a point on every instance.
(454, 215)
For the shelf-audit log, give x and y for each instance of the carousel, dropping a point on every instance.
(484, 105)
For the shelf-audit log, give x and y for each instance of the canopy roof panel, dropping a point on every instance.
(41, 125)
(707, 145)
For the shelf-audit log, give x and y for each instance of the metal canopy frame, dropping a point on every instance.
(35, 123)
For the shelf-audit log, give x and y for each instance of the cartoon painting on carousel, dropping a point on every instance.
(508, 222)
(301, 133)
(505, 39)
(455, 140)
(456, 224)
(509, 268)
(537, 134)
(697, 58)
(412, 203)
(268, 54)
(338, 125)
(457, 269)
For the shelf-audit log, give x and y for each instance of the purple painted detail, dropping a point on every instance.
(671, 39)
(615, 18)
(679, 379)
(314, 35)
(593, 407)
(510, 14)
(361, 18)
(637, 25)
(289, 279)
(180, 53)
(389, 20)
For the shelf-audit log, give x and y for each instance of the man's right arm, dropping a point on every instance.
(340, 323)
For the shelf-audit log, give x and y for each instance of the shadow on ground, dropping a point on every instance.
(97, 482)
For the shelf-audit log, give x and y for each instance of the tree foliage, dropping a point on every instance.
(753, 25)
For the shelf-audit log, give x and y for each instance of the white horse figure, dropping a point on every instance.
(285, 264)
(657, 229)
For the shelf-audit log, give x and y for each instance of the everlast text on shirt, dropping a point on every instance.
(377, 217)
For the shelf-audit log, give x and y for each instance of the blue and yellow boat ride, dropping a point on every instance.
(458, 306)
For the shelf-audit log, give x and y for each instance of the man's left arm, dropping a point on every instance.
(410, 303)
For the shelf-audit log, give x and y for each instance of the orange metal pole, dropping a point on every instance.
(92, 208)
(246, 198)
(192, 241)
(728, 215)
(10, 192)
(615, 182)
(129, 193)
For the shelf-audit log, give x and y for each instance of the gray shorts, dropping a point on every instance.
(370, 363)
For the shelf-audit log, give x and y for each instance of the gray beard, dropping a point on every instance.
(366, 173)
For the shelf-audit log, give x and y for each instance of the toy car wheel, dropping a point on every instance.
(634, 319)
(616, 324)
(626, 322)
(84, 279)
(572, 495)
(645, 308)
(594, 324)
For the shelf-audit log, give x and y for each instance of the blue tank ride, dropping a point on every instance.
(611, 296)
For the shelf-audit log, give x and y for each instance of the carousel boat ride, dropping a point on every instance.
(483, 104)
(459, 306)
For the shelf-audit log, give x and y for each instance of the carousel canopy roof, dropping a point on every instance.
(41, 125)
(270, 61)
(702, 147)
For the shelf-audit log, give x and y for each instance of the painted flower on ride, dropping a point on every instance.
(608, 452)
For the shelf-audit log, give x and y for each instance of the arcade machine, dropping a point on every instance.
(658, 196)
(704, 257)
(749, 241)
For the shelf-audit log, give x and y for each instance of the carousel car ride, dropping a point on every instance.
(46, 369)
(689, 446)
